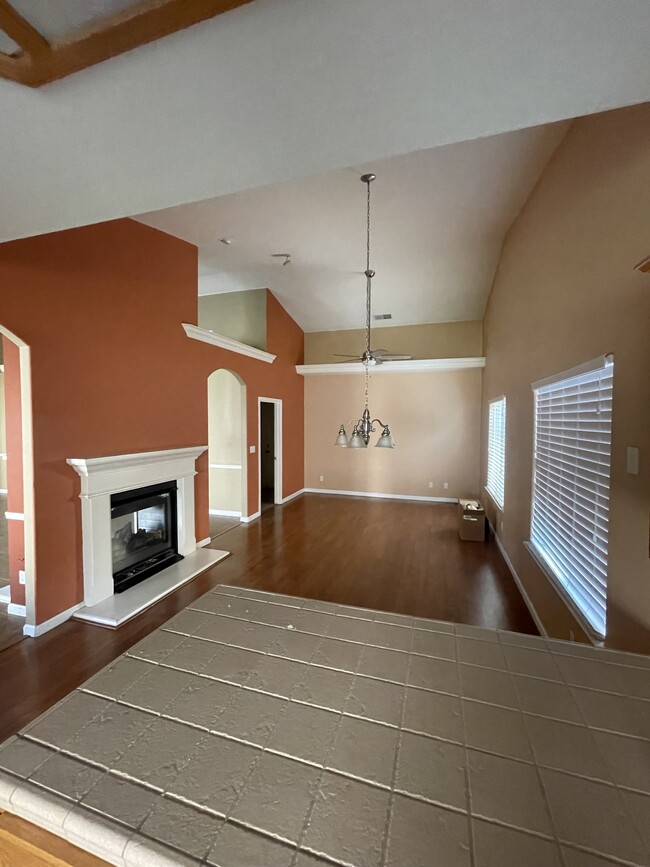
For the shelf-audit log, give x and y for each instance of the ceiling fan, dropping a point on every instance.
(373, 356)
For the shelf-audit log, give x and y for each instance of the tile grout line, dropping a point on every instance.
(468, 792)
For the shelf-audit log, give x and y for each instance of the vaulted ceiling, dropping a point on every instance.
(278, 90)
(438, 222)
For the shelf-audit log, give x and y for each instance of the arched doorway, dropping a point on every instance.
(19, 514)
(226, 450)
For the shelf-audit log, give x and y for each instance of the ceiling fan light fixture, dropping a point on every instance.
(366, 425)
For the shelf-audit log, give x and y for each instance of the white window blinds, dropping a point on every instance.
(573, 426)
(496, 462)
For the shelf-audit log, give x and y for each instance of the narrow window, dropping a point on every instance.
(496, 463)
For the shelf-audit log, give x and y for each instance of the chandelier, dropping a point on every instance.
(364, 426)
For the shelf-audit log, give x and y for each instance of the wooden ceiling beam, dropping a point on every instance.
(143, 23)
(22, 32)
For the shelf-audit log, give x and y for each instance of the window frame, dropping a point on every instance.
(494, 494)
(543, 558)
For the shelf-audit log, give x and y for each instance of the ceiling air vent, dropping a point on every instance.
(379, 316)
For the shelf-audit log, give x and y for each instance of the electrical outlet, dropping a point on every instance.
(446, 485)
(322, 478)
(21, 577)
(430, 484)
(251, 449)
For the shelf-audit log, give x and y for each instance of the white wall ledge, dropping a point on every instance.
(207, 336)
(414, 366)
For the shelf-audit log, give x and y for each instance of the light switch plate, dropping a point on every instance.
(251, 449)
(633, 460)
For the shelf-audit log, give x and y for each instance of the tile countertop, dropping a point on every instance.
(257, 730)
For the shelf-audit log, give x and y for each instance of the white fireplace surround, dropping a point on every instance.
(101, 477)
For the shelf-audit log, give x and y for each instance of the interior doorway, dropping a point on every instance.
(227, 484)
(270, 452)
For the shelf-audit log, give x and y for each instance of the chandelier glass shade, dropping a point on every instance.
(363, 427)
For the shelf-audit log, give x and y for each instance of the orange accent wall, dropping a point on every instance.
(113, 372)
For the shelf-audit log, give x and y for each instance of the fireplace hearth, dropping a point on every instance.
(143, 533)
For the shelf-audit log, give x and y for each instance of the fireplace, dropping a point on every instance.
(144, 537)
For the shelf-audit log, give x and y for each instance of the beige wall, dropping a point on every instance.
(3, 434)
(565, 292)
(441, 340)
(434, 418)
(240, 315)
(226, 405)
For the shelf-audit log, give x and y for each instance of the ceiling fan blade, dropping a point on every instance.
(396, 357)
(352, 360)
(340, 355)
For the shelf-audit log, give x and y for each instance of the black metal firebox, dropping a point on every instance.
(144, 536)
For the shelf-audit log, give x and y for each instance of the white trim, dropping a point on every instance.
(224, 513)
(595, 364)
(3, 456)
(3, 491)
(223, 342)
(15, 516)
(34, 630)
(520, 586)
(17, 610)
(5, 595)
(225, 466)
(587, 628)
(414, 366)
(293, 496)
(379, 496)
(277, 441)
(204, 542)
(246, 519)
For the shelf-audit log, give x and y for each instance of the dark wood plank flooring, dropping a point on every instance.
(384, 554)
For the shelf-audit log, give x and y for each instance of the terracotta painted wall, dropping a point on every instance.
(566, 292)
(14, 440)
(113, 372)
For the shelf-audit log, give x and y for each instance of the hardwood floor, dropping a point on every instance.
(384, 554)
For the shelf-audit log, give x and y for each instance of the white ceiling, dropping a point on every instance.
(282, 89)
(438, 222)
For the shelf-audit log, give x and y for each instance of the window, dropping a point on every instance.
(496, 462)
(573, 426)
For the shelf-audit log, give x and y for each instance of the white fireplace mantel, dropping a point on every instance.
(101, 477)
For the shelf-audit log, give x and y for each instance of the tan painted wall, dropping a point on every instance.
(3, 436)
(434, 418)
(566, 292)
(225, 445)
(240, 315)
(440, 340)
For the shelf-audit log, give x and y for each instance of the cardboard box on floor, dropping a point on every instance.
(471, 521)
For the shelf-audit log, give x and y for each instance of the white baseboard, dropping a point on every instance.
(3, 491)
(524, 594)
(18, 610)
(14, 516)
(203, 542)
(34, 630)
(382, 496)
(5, 595)
(225, 513)
(246, 519)
(293, 496)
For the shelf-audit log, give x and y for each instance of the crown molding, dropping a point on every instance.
(414, 366)
(223, 342)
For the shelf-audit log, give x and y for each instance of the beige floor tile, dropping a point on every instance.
(22, 756)
(384, 664)
(477, 632)
(64, 721)
(120, 676)
(292, 645)
(202, 701)
(621, 679)
(484, 653)
(277, 676)
(566, 747)
(638, 806)
(341, 655)
(192, 654)
(423, 834)
(277, 796)
(157, 757)
(182, 827)
(242, 847)
(577, 858)
(488, 685)
(67, 776)
(628, 759)
(251, 717)
(534, 663)
(614, 713)
(433, 625)
(436, 644)
(375, 700)
(304, 732)
(107, 737)
(364, 749)
(433, 713)
(507, 791)
(324, 687)
(496, 846)
(496, 729)
(157, 688)
(547, 698)
(592, 815)
(156, 646)
(432, 769)
(121, 799)
(440, 675)
(348, 821)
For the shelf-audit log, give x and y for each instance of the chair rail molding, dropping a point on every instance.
(223, 342)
